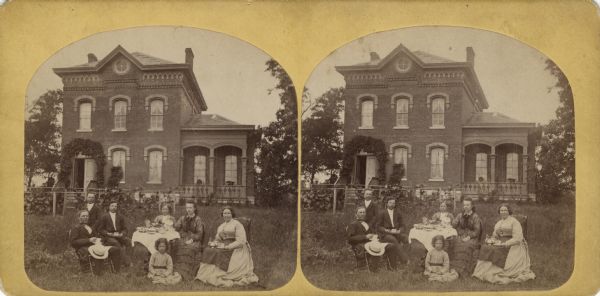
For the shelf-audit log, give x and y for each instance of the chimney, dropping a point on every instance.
(189, 56)
(92, 58)
(470, 56)
(374, 57)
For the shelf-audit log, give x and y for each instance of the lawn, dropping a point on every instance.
(328, 262)
(51, 263)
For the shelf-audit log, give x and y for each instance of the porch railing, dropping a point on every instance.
(230, 193)
(502, 190)
(202, 191)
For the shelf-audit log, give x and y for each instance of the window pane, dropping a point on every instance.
(118, 160)
(231, 169)
(366, 113)
(85, 116)
(156, 114)
(155, 166)
(512, 166)
(402, 112)
(481, 167)
(200, 169)
(437, 111)
(120, 114)
(401, 157)
(437, 163)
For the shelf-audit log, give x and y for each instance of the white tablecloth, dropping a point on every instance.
(148, 239)
(425, 236)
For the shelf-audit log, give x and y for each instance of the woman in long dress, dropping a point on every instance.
(508, 233)
(228, 261)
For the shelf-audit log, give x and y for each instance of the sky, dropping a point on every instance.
(230, 71)
(511, 73)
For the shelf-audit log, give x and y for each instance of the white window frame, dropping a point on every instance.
(231, 168)
(200, 168)
(157, 115)
(119, 160)
(402, 110)
(85, 122)
(363, 115)
(438, 113)
(120, 115)
(401, 157)
(437, 164)
(512, 166)
(155, 165)
(481, 166)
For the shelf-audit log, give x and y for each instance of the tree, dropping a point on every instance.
(322, 135)
(277, 156)
(42, 136)
(556, 154)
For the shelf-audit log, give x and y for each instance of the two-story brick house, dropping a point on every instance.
(428, 111)
(148, 115)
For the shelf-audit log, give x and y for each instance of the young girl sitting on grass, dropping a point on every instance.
(160, 266)
(437, 262)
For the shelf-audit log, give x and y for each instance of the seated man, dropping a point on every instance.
(113, 229)
(390, 226)
(360, 232)
(83, 236)
(466, 246)
(188, 248)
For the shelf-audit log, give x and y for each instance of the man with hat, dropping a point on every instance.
(86, 243)
(364, 242)
(92, 208)
(113, 229)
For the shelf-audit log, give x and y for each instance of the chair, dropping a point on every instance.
(360, 254)
(89, 264)
(247, 223)
(523, 220)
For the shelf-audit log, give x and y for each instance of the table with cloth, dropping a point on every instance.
(147, 239)
(420, 238)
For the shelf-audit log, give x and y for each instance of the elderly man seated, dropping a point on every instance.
(360, 233)
(84, 240)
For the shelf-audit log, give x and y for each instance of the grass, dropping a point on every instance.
(51, 263)
(328, 262)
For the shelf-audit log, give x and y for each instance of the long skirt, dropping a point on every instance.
(515, 270)
(240, 270)
(464, 256)
(186, 258)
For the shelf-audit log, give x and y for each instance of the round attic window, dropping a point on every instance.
(403, 64)
(121, 66)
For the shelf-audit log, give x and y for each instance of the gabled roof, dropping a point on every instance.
(213, 122)
(143, 62)
(494, 119)
(423, 59)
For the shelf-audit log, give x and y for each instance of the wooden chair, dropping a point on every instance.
(247, 223)
(523, 220)
(91, 264)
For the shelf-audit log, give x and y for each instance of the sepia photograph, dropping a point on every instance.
(437, 159)
(160, 159)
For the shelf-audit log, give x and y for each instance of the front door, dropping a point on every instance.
(89, 172)
(371, 169)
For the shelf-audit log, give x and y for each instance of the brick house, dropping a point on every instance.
(149, 116)
(429, 112)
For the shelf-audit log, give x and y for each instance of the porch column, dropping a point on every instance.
(181, 169)
(243, 193)
(211, 167)
(525, 171)
(462, 169)
(493, 168)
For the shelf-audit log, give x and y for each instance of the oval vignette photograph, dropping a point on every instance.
(160, 159)
(437, 159)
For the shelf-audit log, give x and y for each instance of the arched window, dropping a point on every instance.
(156, 115)
(85, 116)
(481, 167)
(155, 159)
(200, 169)
(437, 163)
(231, 170)
(120, 115)
(118, 160)
(437, 112)
(512, 167)
(366, 114)
(402, 112)
(401, 157)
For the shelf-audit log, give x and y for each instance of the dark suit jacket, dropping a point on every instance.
(372, 211)
(104, 225)
(95, 213)
(357, 233)
(80, 237)
(384, 222)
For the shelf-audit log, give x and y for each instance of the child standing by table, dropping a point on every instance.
(437, 262)
(160, 266)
